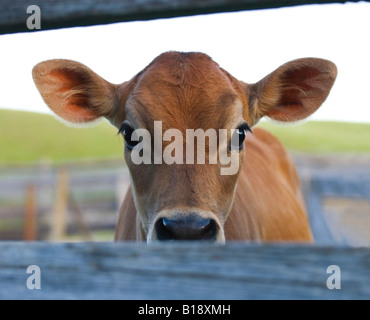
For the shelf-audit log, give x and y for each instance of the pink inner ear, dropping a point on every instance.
(74, 107)
(302, 92)
(303, 78)
(73, 91)
(75, 113)
(65, 79)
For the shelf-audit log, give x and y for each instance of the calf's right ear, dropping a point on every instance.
(74, 92)
(293, 91)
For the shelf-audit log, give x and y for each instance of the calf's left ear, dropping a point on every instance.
(293, 91)
(74, 92)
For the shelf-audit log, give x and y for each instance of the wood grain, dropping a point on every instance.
(182, 271)
(69, 13)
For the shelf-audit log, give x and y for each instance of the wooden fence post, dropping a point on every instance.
(59, 216)
(79, 219)
(30, 218)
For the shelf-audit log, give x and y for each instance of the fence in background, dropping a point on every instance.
(52, 203)
(349, 221)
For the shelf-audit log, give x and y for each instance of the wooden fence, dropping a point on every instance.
(183, 271)
(56, 203)
(318, 185)
(77, 205)
(69, 13)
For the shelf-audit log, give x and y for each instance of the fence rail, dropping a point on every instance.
(182, 271)
(345, 183)
(70, 13)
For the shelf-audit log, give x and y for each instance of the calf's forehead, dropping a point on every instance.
(191, 92)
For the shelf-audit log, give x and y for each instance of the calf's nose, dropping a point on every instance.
(188, 227)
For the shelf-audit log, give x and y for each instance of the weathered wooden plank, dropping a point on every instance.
(319, 227)
(68, 13)
(30, 214)
(328, 183)
(319, 184)
(182, 271)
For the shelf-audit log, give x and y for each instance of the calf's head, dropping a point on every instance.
(179, 196)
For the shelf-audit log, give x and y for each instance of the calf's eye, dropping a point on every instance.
(238, 138)
(126, 130)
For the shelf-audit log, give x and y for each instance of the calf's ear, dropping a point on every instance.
(74, 92)
(293, 91)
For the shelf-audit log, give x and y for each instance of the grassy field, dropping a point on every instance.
(323, 137)
(27, 138)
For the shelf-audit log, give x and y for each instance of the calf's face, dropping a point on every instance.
(184, 186)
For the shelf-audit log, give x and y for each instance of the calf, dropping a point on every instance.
(258, 199)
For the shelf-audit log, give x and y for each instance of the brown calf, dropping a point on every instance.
(261, 201)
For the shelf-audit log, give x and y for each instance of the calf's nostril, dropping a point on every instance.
(210, 230)
(163, 229)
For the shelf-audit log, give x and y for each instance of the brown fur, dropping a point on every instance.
(263, 201)
(260, 211)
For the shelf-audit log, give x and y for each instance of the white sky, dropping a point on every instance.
(248, 44)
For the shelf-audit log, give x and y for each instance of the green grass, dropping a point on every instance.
(97, 236)
(322, 137)
(28, 138)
